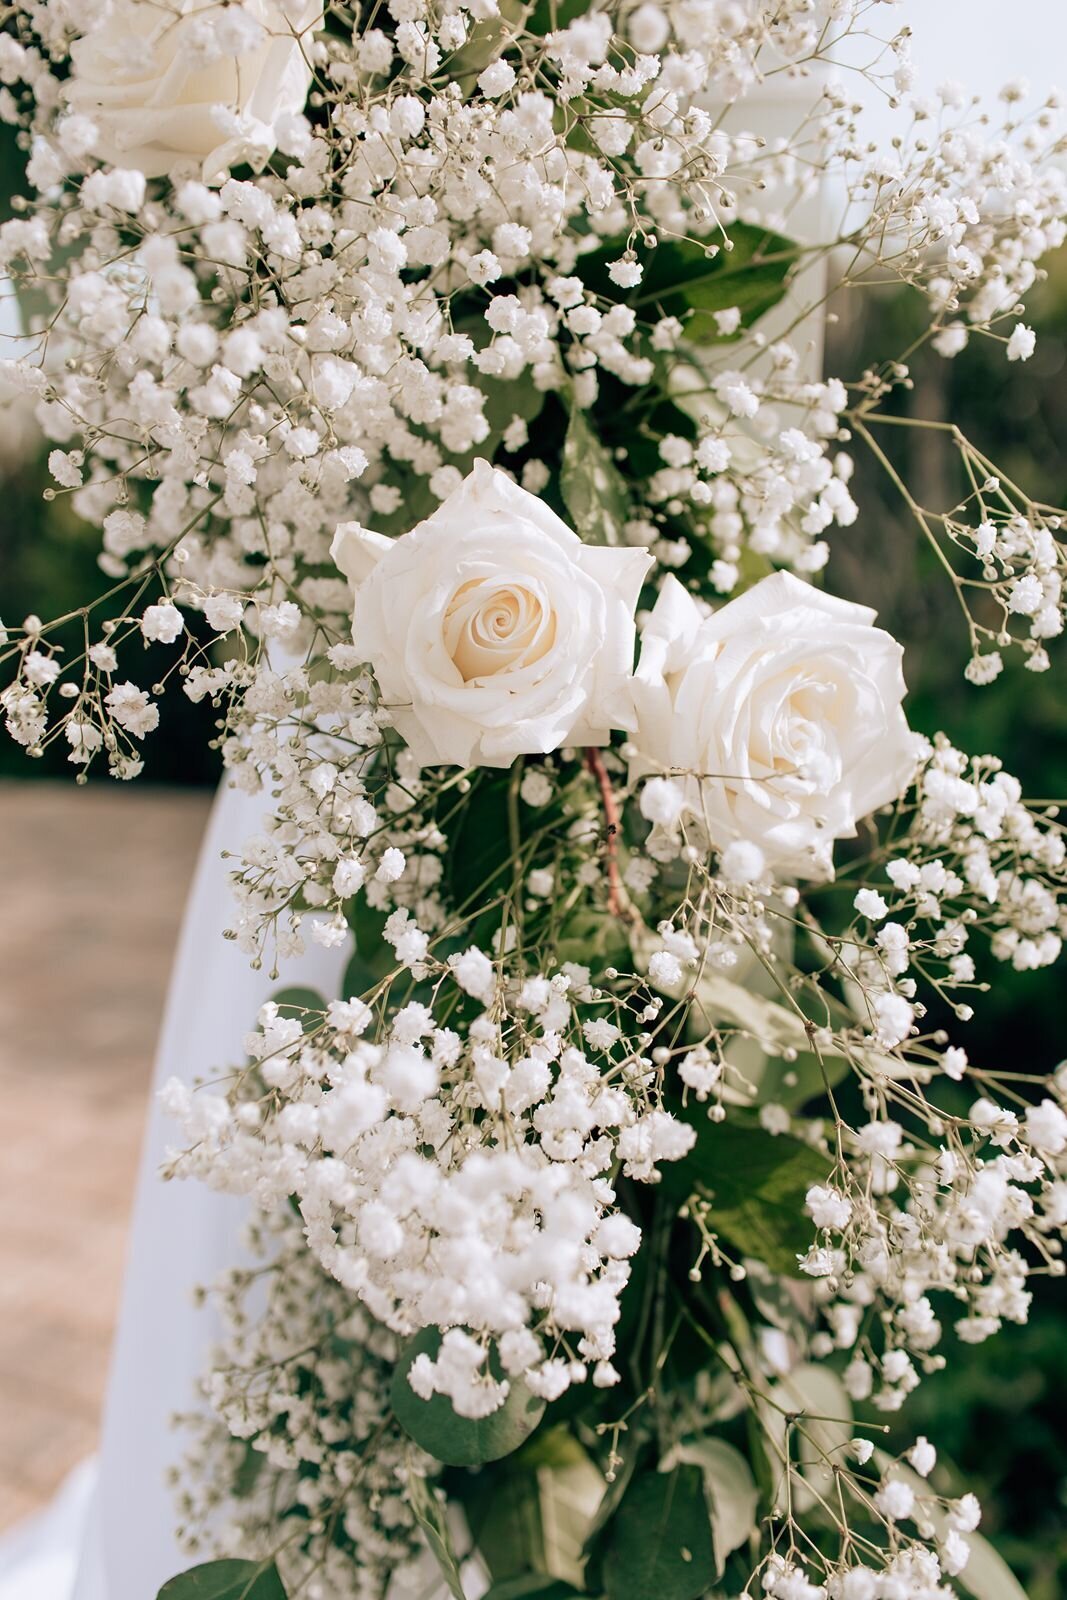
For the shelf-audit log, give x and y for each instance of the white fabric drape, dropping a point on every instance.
(117, 1534)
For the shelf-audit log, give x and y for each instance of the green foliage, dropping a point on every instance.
(1021, 1402)
(659, 1544)
(460, 1441)
(814, 1393)
(531, 1586)
(506, 399)
(756, 1182)
(417, 502)
(480, 853)
(1009, 1389)
(531, 1516)
(372, 958)
(483, 44)
(307, 1004)
(430, 1514)
(640, 442)
(247, 1474)
(549, 15)
(731, 1492)
(793, 1082)
(592, 487)
(598, 1538)
(226, 1580)
(682, 280)
(595, 940)
(367, 925)
(361, 973)
(719, 999)
(773, 1050)
(48, 565)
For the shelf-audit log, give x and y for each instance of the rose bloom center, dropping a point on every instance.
(493, 627)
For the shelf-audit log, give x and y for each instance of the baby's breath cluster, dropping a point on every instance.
(463, 218)
(298, 1414)
(455, 1176)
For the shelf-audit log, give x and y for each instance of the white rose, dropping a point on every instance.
(784, 707)
(192, 80)
(493, 631)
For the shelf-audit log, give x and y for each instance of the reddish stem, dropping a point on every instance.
(616, 894)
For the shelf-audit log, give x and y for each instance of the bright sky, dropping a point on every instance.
(983, 43)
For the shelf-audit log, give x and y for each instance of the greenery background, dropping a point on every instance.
(999, 1413)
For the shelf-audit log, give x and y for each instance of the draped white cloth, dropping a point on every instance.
(110, 1534)
(39, 1559)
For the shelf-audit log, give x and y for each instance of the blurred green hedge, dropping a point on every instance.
(999, 1411)
(48, 566)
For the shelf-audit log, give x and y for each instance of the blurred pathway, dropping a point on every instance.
(92, 882)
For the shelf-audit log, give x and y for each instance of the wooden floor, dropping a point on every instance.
(93, 882)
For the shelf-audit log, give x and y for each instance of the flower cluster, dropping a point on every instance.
(441, 379)
(296, 1420)
(232, 366)
(455, 1179)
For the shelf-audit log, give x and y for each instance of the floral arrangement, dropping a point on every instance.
(440, 375)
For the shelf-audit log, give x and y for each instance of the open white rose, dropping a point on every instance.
(784, 710)
(493, 631)
(167, 81)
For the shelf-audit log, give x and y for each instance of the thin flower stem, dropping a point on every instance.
(618, 903)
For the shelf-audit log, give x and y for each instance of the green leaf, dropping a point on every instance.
(534, 1514)
(226, 1580)
(417, 502)
(372, 958)
(252, 1464)
(479, 855)
(642, 443)
(680, 280)
(507, 399)
(756, 1182)
(719, 1000)
(548, 16)
(593, 490)
(531, 1586)
(771, 1029)
(818, 1398)
(505, 1524)
(598, 1538)
(368, 925)
(766, 1031)
(431, 1515)
(483, 44)
(779, 1304)
(987, 1575)
(298, 1000)
(793, 1083)
(358, 978)
(460, 1441)
(730, 1489)
(595, 939)
(660, 1539)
